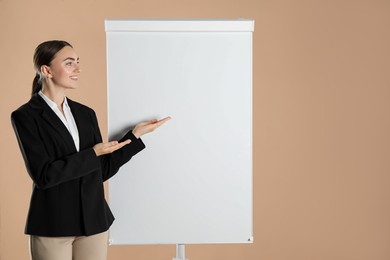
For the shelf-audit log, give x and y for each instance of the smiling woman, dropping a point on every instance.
(57, 72)
(44, 55)
(66, 67)
(67, 161)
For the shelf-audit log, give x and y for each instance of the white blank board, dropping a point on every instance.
(193, 182)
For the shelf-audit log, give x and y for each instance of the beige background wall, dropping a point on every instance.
(321, 119)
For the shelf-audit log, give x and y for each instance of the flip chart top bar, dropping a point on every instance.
(179, 25)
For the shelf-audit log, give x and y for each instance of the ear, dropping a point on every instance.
(45, 70)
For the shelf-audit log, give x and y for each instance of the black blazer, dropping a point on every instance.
(68, 196)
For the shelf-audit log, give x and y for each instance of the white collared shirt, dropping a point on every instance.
(68, 119)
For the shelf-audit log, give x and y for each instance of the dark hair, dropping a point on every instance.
(43, 55)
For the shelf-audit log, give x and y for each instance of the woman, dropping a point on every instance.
(64, 155)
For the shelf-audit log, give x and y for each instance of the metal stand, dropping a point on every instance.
(180, 252)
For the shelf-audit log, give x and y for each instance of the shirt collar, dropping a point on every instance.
(51, 103)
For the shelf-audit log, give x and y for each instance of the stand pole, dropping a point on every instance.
(180, 252)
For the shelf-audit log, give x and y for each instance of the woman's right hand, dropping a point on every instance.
(109, 147)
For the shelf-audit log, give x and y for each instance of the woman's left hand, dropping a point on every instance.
(147, 127)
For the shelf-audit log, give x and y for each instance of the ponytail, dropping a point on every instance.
(37, 84)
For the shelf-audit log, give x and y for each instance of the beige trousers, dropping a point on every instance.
(69, 248)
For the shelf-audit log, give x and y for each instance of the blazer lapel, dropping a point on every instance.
(48, 115)
(81, 123)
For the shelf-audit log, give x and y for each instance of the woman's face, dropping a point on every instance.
(64, 69)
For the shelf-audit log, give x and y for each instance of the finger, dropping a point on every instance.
(166, 119)
(121, 144)
(126, 142)
(112, 143)
(155, 121)
(163, 121)
(115, 145)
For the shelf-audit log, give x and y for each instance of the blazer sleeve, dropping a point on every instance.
(110, 163)
(45, 170)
